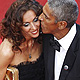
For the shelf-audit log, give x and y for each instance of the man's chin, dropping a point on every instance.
(43, 29)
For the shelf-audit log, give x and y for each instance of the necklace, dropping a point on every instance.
(31, 50)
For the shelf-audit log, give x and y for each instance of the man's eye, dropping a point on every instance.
(46, 17)
(26, 24)
(36, 19)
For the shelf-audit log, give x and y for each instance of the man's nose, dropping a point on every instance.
(40, 17)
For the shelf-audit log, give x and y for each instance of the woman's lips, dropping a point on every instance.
(34, 32)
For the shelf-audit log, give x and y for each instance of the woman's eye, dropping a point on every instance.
(36, 19)
(26, 24)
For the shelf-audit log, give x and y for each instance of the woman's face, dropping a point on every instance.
(31, 25)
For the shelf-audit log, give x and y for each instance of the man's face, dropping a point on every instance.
(48, 21)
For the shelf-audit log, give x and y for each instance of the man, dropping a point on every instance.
(58, 19)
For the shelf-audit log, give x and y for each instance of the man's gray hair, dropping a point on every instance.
(64, 10)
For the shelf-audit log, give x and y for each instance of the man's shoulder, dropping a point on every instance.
(78, 27)
(47, 35)
(46, 38)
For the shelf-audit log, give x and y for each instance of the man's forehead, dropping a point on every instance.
(46, 6)
(47, 9)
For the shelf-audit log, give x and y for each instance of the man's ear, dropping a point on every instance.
(62, 24)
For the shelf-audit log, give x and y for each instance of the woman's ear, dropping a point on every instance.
(62, 24)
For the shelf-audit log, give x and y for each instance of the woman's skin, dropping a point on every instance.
(30, 30)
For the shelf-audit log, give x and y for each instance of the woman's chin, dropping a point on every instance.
(35, 36)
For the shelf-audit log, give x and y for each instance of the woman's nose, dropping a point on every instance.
(33, 26)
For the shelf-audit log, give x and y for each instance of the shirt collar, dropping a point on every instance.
(66, 41)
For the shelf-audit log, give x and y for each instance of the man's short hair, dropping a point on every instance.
(64, 10)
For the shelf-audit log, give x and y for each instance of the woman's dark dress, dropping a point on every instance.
(32, 70)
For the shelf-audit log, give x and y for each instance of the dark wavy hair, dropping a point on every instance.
(11, 24)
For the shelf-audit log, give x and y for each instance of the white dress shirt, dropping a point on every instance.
(60, 56)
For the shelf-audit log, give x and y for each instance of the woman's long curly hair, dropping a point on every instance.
(11, 24)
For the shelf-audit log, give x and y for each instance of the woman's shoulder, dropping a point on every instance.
(6, 49)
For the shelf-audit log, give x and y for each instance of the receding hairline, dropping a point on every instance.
(47, 9)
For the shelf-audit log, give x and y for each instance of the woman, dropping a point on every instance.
(20, 47)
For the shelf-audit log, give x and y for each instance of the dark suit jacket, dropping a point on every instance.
(72, 59)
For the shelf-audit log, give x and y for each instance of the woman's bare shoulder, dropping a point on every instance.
(6, 49)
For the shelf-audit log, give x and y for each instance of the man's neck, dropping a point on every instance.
(60, 34)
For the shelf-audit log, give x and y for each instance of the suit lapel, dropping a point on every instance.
(51, 55)
(48, 56)
(70, 57)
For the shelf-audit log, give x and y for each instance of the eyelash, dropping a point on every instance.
(36, 19)
(27, 24)
(46, 17)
